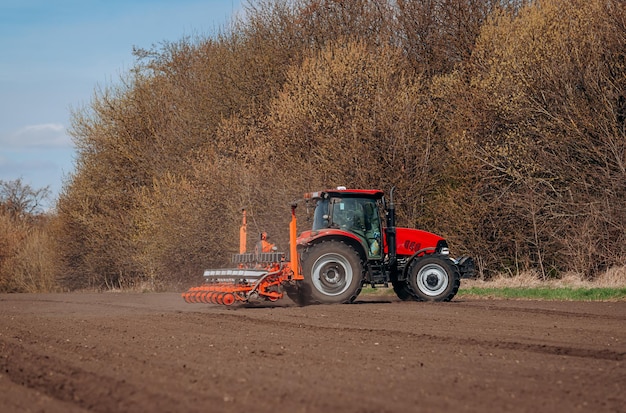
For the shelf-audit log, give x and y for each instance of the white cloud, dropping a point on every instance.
(47, 135)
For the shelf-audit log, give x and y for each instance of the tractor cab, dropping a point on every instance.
(357, 212)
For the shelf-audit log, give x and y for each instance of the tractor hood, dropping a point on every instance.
(409, 241)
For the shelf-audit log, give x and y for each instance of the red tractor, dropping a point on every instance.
(353, 242)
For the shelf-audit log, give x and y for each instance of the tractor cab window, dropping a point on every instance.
(347, 214)
(372, 217)
(361, 216)
(342, 213)
(373, 228)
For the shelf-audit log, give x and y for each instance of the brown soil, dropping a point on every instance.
(122, 352)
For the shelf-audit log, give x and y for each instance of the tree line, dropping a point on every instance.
(500, 123)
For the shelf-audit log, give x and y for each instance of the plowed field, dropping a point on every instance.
(123, 352)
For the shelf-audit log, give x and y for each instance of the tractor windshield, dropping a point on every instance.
(342, 213)
(321, 218)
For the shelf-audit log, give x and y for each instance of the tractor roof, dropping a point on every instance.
(343, 192)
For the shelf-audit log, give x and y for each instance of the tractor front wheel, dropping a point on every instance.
(433, 278)
(333, 273)
(402, 290)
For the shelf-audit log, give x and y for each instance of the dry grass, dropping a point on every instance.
(613, 278)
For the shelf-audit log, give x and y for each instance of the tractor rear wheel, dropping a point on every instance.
(433, 278)
(296, 293)
(333, 273)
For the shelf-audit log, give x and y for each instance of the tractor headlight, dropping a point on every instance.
(442, 247)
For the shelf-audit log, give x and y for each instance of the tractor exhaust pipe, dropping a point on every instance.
(391, 231)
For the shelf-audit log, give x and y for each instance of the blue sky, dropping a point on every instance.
(55, 53)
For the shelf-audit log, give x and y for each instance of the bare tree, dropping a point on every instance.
(20, 200)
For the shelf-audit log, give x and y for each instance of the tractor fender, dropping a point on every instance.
(417, 255)
(308, 238)
(441, 245)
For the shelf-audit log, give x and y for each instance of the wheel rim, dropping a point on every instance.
(332, 274)
(432, 280)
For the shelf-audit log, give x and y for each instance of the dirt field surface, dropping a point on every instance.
(123, 352)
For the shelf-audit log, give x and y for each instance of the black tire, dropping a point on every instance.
(433, 278)
(333, 273)
(296, 294)
(402, 290)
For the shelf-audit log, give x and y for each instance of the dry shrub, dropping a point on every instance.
(181, 229)
(354, 115)
(27, 255)
(34, 268)
(439, 35)
(12, 236)
(545, 115)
